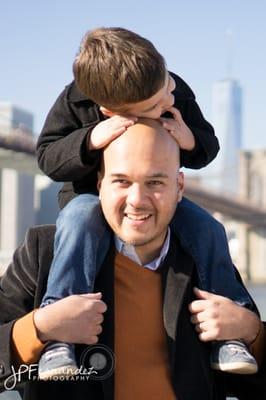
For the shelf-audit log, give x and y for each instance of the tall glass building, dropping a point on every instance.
(227, 121)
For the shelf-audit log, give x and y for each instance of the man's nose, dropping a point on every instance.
(136, 196)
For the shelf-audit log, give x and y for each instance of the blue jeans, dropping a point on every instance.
(82, 241)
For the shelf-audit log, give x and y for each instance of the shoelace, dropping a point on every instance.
(55, 352)
(237, 349)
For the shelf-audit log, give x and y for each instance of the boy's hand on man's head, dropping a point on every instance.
(108, 130)
(179, 130)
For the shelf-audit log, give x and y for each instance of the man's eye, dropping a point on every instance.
(155, 183)
(122, 182)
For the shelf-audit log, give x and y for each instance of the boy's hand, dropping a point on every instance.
(179, 130)
(106, 131)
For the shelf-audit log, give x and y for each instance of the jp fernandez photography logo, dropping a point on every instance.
(97, 363)
(100, 359)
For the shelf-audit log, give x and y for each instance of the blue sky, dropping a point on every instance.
(38, 42)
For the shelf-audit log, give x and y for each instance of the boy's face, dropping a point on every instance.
(153, 107)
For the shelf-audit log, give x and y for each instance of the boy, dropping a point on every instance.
(120, 76)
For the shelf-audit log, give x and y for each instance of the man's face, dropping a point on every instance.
(140, 186)
(153, 107)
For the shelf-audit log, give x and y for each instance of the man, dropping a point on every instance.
(147, 321)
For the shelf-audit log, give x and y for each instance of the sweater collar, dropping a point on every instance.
(129, 251)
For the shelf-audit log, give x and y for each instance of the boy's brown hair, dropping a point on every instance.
(115, 67)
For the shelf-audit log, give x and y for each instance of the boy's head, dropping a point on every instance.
(123, 72)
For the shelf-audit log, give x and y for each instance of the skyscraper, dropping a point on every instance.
(227, 121)
(16, 189)
(13, 118)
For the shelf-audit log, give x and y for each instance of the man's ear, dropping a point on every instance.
(106, 112)
(180, 186)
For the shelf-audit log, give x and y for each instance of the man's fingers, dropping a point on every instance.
(100, 307)
(207, 331)
(202, 294)
(197, 306)
(201, 327)
(97, 330)
(91, 340)
(205, 299)
(197, 318)
(206, 336)
(98, 319)
(98, 304)
(96, 296)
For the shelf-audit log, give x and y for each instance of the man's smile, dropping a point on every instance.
(137, 217)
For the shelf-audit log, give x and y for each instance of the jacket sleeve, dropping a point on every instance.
(61, 147)
(207, 145)
(17, 290)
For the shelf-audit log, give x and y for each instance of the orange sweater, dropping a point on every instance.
(142, 367)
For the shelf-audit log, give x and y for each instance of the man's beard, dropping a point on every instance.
(141, 242)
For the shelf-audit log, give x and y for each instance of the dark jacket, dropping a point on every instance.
(61, 148)
(23, 286)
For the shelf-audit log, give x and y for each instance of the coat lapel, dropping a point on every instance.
(105, 284)
(177, 271)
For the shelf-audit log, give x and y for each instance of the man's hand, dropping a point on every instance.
(108, 130)
(179, 130)
(74, 319)
(219, 318)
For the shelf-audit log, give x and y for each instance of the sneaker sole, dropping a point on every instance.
(66, 371)
(236, 368)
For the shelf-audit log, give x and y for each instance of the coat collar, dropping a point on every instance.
(177, 272)
(75, 95)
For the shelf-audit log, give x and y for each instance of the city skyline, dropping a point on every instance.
(201, 41)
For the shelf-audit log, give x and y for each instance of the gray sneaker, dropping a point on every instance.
(232, 356)
(57, 360)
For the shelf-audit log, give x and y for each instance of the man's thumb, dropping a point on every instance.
(202, 294)
(95, 296)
